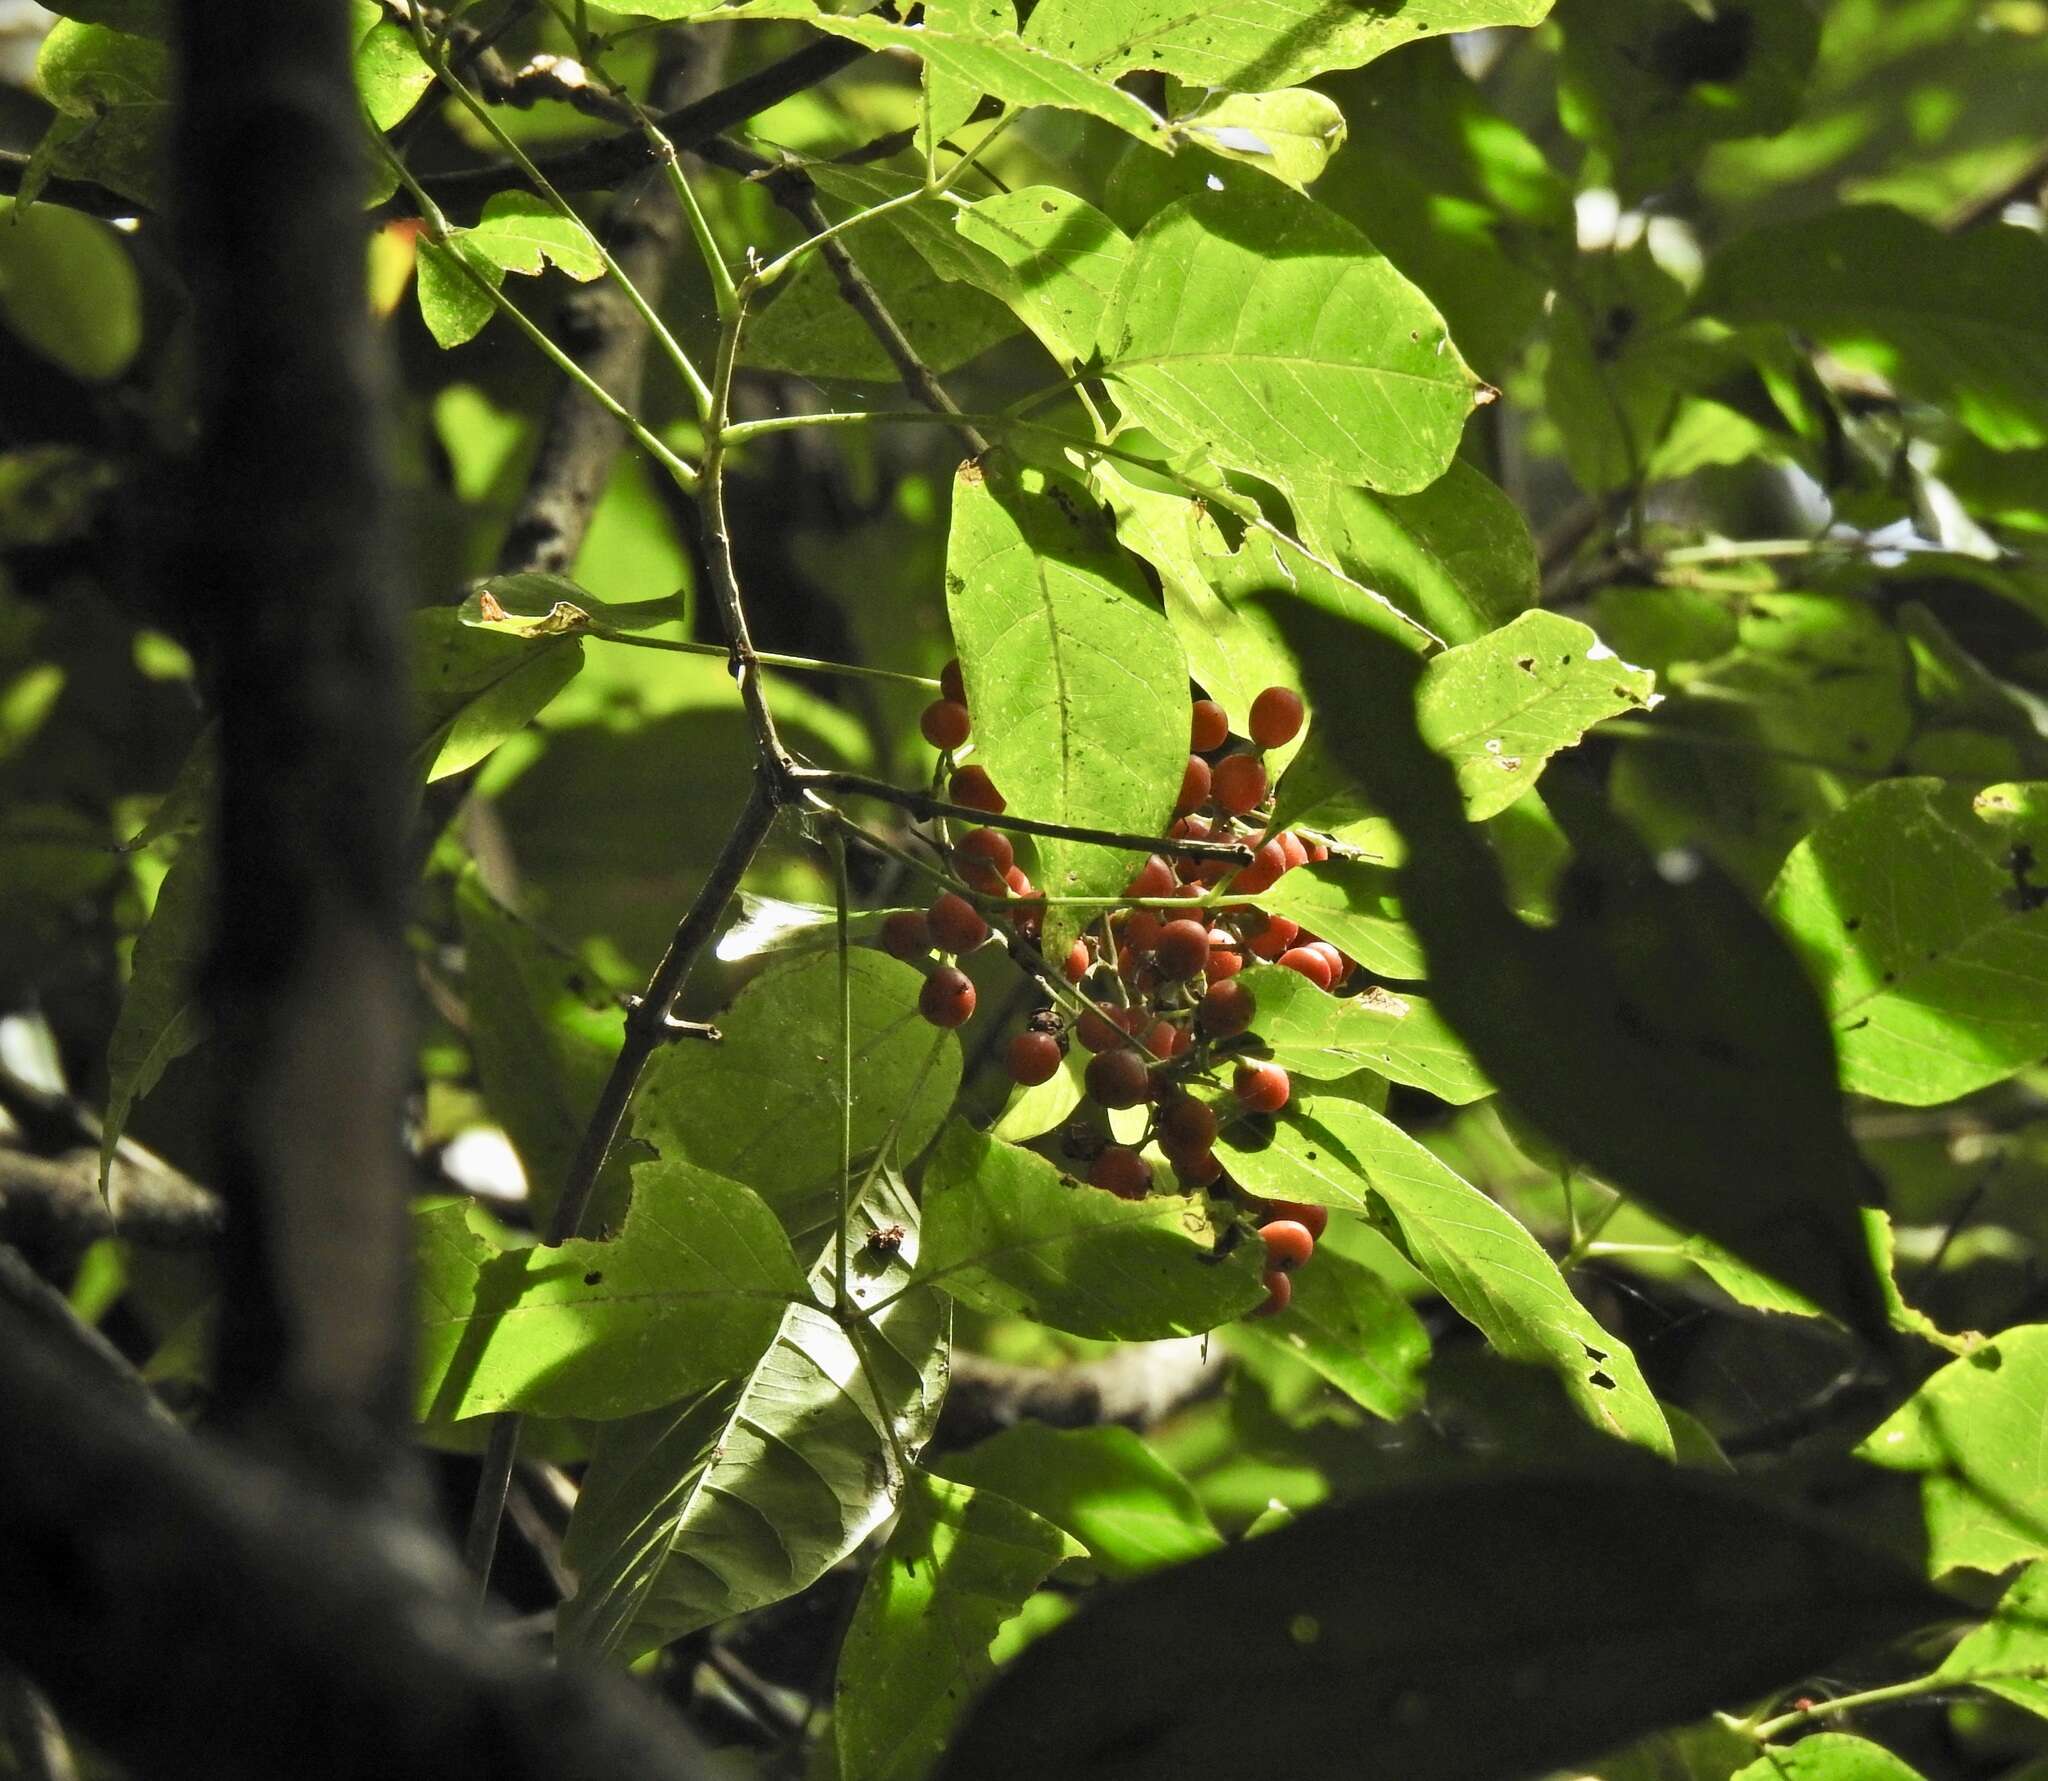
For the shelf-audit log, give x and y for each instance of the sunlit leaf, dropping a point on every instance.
(1265, 327)
(2008, 1654)
(1104, 1486)
(1924, 914)
(691, 1291)
(1315, 1034)
(1348, 1324)
(1290, 134)
(1829, 1756)
(1004, 1231)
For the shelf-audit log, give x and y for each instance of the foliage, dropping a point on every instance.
(1621, 434)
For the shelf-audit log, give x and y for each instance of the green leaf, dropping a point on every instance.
(390, 77)
(68, 288)
(1387, 1634)
(1923, 913)
(1661, 1030)
(1498, 709)
(1456, 556)
(524, 233)
(959, 1564)
(1276, 43)
(543, 1047)
(1062, 258)
(1829, 1756)
(1262, 326)
(1334, 1152)
(1290, 134)
(691, 1291)
(1973, 1433)
(1005, 1232)
(778, 1059)
(1952, 320)
(2001, 1653)
(1455, 195)
(809, 329)
(1232, 658)
(949, 101)
(113, 93)
(1315, 1034)
(452, 304)
(1654, 83)
(750, 1492)
(1077, 685)
(473, 689)
(159, 1021)
(1104, 1486)
(1348, 1324)
(1356, 907)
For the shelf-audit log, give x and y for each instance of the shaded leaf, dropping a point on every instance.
(542, 1045)
(472, 689)
(1126, 1505)
(1501, 1626)
(1456, 556)
(1953, 320)
(1263, 326)
(1923, 913)
(1348, 1324)
(1005, 1232)
(1661, 1031)
(779, 1059)
(159, 1020)
(690, 1291)
(113, 93)
(1077, 684)
(958, 1565)
(68, 288)
(1315, 1034)
(1973, 1433)
(749, 1493)
(1335, 1152)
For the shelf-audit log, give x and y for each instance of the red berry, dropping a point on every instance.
(1314, 1219)
(1189, 828)
(951, 686)
(1226, 1010)
(1223, 961)
(1182, 948)
(1164, 1040)
(973, 787)
(1194, 786)
(1034, 1058)
(947, 998)
(1118, 1078)
(1288, 1244)
(1195, 1168)
(1142, 928)
(1018, 882)
(1318, 851)
(1123, 1171)
(1101, 1032)
(1155, 879)
(906, 934)
(1311, 963)
(989, 848)
(944, 723)
(1186, 1124)
(1340, 966)
(1267, 865)
(1208, 727)
(1076, 966)
(1274, 938)
(1276, 717)
(1262, 1088)
(1238, 783)
(1296, 850)
(956, 924)
(1279, 1289)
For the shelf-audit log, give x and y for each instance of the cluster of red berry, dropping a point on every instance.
(1160, 1010)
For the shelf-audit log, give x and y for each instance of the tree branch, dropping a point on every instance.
(1141, 1384)
(202, 1614)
